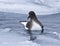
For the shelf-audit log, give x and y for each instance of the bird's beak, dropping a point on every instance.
(28, 17)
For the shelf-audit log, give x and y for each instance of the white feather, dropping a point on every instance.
(24, 23)
(35, 26)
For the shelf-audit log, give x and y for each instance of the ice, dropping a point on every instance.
(13, 33)
(5, 30)
(13, 39)
(41, 7)
(47, 41)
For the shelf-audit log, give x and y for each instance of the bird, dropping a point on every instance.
(32, 24)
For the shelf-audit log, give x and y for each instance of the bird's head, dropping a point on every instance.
(31, 15)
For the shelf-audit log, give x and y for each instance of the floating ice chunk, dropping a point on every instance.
(5, 30)
(55, 33)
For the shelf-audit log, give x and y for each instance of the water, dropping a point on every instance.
(10, 22)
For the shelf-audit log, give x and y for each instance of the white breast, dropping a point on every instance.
(35, 26)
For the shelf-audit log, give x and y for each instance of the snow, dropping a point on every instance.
(41, 7)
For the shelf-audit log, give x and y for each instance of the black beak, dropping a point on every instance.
(28, 17)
